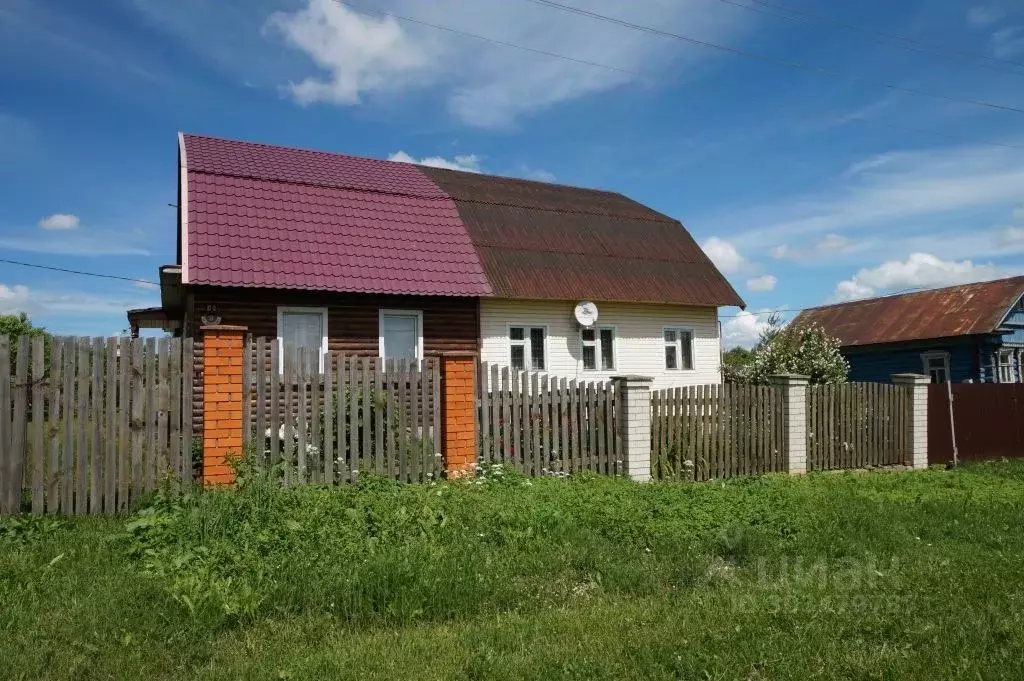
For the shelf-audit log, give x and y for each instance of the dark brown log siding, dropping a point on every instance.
(449, 324)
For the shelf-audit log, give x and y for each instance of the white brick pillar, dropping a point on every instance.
(793, 388)
(634, 395)
(917, 392)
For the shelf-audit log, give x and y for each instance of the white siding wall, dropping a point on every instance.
(639, 347)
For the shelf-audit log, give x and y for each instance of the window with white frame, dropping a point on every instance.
(678, 348)
(1007, 370)
(598, 348)
(936, 365)
(302, 328)
(527, 347)
(401, 334)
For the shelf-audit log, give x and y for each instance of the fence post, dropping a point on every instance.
(458, 415)
(634, 395)
(222, 400)
(917, 394)
(793, 388)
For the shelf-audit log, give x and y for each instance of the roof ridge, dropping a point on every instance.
(468, 173)
(907, 294)
(321, 185)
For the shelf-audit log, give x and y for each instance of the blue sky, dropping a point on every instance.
(804, 189)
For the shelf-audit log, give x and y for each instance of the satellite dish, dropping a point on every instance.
(586, 313)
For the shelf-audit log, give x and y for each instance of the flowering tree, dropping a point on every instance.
(804, 349)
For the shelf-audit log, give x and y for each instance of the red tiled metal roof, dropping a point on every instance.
(276, 217)
(546, 241)
(288, 218)
(963, 310)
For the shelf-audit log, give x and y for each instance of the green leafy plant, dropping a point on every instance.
(804, 349)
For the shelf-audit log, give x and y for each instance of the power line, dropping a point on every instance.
(887, 34)
(756, 56)
(882, 38)
(85, 274)
(369, 12)
(495, 41)
(892, 294)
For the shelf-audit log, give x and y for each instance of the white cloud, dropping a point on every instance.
(146, 285)
(1008, 42)
(537, 174)
(96, 244)
(1011, 236)
(830, 244)
(60, 304)
(724, 255)
(13, 298)
(484, 84)
(980, 16)
(1018, 212)
(920, 270)
(744, 329)
(889, 191)
(359, 53)
(765, 283)
(59, 221)
(467, 162)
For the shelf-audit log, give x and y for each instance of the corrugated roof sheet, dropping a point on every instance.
(276, 217)
(547, 241)
(290, 218)
(963, 310)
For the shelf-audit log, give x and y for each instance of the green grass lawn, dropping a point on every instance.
(867, 576)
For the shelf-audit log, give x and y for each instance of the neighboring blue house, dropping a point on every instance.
(973, 332)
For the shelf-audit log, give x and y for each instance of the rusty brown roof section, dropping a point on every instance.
(544, 241)
(963, 310)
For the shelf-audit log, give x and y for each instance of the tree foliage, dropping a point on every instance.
(805, 349)
(735, 363)
(18, 324)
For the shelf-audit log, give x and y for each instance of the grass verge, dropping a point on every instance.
(909, 575)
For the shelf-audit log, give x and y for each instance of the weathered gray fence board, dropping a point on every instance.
(38, 472)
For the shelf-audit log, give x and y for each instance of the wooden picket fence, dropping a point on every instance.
(709, 432)
(356, 415)
(857, 425)
(537, 424)
(87, 426)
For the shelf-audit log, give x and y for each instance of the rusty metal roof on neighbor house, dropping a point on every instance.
(276, 217)
(964, 310)
(545, 241)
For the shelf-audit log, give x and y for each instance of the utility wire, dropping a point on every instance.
(886, 34)
(881, 38)
(893, 294)
(756, 56)
(85, 274)
(495, 41)
(370, 12)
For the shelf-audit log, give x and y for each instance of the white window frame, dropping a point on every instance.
(679, 347)
(527, 363)
(597, 348)
(384, 312)
(1010, 367)
(944, 356)
(298, 309)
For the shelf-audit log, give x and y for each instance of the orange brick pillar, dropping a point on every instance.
(458, 415)
(222, 401)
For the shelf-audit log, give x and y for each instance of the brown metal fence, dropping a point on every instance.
(349, 416)
(988, 420)
(857, 425)
(708, 432)
(537, 424)
(87, 426)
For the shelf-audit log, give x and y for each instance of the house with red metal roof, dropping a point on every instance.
(971, 332)
(339, 253)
